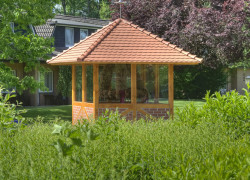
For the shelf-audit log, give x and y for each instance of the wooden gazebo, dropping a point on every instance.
(124, 67)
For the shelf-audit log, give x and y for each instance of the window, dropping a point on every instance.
(152, 84)
(10, 89)
(47, 79)
(79, 83)
(247, 80)
(115, 83)
(83, 33)
(12, 27)
(69, 37)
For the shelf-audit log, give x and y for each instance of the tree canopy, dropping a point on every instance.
(21, 44)
(216, 30)
(87, 8)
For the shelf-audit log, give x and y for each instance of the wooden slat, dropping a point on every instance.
(85, 104)
(86, 113)
(73, 83)
(84, 84)
(96, 89)
(73, 90)
(143, 112)
(171, 88)
(124, 113)
(133, 89)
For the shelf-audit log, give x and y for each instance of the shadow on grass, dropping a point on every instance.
(50, 113)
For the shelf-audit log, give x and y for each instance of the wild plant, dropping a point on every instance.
(232, 110)
(10, 118)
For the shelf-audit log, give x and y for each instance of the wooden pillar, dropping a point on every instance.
(73, 83)
(171, 88)
(133, 89)
(96, 89)
(73, 90)
(84, 84)
(156, 100)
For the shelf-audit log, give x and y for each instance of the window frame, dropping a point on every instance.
(247, 80)
(72, 35)
(39, 80)
(87, 33)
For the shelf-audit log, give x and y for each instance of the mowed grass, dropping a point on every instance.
(50, 113)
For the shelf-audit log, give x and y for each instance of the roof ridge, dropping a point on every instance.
(76, 44)
(110, 27)
(162, 40)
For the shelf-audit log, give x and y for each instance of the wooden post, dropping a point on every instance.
(96, 89)
(171, 88)
(133, 89)
(84, 84)
(73, 90)
(73, 83)
(156, 100)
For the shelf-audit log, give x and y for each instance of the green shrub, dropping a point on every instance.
(8, 111)
(113, 148)
(231, 109)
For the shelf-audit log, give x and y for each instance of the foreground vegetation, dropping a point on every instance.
(50, 113)
(211, 142)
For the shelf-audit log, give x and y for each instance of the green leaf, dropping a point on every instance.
(57, 129)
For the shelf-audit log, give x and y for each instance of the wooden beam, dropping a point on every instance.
(133, 89)
(84, 84)
(156, 100)
(73, 83)
(73, 90)
(96, 89)
(171, 88)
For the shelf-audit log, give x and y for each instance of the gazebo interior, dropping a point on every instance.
(123, 67)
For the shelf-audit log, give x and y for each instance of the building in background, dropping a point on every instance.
(66, 31)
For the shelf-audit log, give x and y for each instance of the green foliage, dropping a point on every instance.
(193, 82)
(105, 12)
(231, 110)
(22, 45)
(64, 80)
(89, 8)
(8, 112)
(113, 148)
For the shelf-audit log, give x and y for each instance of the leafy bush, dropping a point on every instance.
(8, 112)
(197, 145)
(231, 109)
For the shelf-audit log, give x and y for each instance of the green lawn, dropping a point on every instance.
(50, 112)
(65, 112)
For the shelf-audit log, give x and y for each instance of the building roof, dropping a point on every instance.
(47, 30)
(123, 42)
(79, 21)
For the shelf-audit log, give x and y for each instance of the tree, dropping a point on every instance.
(22, 45)
(213, 30)
(105, 12)
(88, 8)
(216, 30)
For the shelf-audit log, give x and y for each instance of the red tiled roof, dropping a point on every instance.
(123, 42)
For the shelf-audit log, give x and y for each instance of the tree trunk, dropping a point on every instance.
(64, 6)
